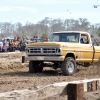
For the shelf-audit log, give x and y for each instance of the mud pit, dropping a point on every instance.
(14, 76)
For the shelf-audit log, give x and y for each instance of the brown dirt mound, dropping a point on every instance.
(14, 75)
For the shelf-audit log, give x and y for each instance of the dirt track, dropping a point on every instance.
(14, 75)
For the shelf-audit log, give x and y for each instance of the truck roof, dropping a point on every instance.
(71, 32)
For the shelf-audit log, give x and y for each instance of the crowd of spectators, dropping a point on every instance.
(35, 39)
(18, 43)
(10, 45)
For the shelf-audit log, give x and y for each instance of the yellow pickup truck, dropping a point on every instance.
(65, 50)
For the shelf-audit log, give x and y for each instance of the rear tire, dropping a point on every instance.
(40, 69)
(86, 64)
(33, 68)
(68, 66)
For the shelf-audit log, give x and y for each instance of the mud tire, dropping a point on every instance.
(33, 68)
(68, 66)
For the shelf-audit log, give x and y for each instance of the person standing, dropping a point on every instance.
(1, 45)
(4, 48)
(18, 38)
(11, 45)
(23, 44)
(15, 45)
(46, 39)
(4, 41)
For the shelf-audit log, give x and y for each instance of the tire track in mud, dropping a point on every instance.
(15, 75)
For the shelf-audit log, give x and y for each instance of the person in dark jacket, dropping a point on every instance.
(11, 45)
(23, 44)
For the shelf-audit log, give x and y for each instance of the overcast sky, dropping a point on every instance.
(36, 10)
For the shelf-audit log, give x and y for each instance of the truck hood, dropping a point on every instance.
(51, 44)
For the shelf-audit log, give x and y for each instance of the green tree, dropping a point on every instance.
(44, 35)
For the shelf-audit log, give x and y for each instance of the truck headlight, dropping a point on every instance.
(59, 50)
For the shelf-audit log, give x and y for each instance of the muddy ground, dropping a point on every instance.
(14, 75)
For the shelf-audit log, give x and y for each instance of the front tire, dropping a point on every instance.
(68, 66)
(32, 68)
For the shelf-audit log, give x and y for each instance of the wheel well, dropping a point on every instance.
(70, 55)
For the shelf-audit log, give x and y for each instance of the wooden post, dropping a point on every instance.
(23, 59)
(89, 86)
(75, 91)
(97, 85)
(92, 86)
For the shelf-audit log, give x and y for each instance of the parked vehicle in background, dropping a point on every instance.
(65, 50)
(10, 38)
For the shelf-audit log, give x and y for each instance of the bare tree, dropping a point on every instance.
(48, 25)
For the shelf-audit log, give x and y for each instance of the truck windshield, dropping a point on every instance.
(64, 37)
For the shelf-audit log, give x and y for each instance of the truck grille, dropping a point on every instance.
(43, 50)
(34, 50)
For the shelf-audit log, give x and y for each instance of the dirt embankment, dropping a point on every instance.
(14, 75)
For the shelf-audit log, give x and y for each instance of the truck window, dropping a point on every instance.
(84, 39)
(65, 37)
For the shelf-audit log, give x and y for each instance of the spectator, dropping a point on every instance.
(46, 39)
(15, 45)
(34, 40)
(18, 38)
(36, 37)
(4, 41)
(1, 45)
(4, 48)
(11, 45)
(23, 44)
(7, 44)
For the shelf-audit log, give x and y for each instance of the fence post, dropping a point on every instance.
(75, 91)
(93, 85)
(23, 59)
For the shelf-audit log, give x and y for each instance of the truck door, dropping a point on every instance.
(87, 50)
(96, 50)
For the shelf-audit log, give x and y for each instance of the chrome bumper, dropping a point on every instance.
(44, 58)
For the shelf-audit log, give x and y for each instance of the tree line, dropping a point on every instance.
(47, 26)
